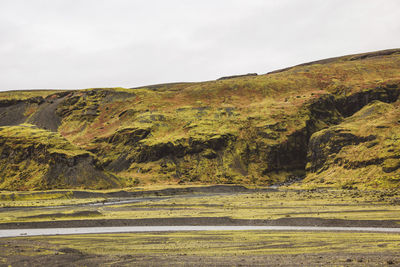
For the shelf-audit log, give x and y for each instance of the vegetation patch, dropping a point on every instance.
(64, 215)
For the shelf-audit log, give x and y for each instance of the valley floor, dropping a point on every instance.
(202, 205)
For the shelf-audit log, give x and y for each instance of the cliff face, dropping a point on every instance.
(310, 121)
(362, 150)
(32, 158)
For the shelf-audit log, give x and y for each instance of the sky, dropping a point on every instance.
(73, 44)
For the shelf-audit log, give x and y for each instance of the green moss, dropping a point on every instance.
(362, 150)
(34, 158)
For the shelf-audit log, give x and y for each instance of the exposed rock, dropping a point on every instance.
(328, 143)
(31, 158)
(356, 152)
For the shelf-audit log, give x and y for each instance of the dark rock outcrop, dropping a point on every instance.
(360, 150)
(31, 158)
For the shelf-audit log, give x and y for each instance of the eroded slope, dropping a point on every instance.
(32, 158)
(251, 129)
(362, 151)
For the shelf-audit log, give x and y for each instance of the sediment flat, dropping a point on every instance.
(204, 221)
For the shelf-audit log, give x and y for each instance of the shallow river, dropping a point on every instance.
(133, 229)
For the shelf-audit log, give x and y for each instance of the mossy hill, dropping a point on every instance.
(32, 158)
(333, 122)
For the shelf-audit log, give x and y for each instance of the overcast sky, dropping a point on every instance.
(127, 43)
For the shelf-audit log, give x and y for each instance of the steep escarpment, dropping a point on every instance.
(262, 129)
(362, 151)
(31, 158)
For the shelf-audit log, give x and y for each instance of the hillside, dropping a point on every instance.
(332, 122)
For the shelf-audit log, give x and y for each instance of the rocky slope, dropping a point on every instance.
(330, 122)
(363, 149)
(32, 158)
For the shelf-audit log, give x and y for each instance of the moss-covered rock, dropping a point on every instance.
(364, 150)
(32, 158)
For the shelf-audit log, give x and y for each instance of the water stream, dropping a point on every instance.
(139, 229)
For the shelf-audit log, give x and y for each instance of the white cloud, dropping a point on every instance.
(94, 43)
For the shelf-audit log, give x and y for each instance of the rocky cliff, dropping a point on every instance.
(32, 158)
(330, 122)
(363, 150)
